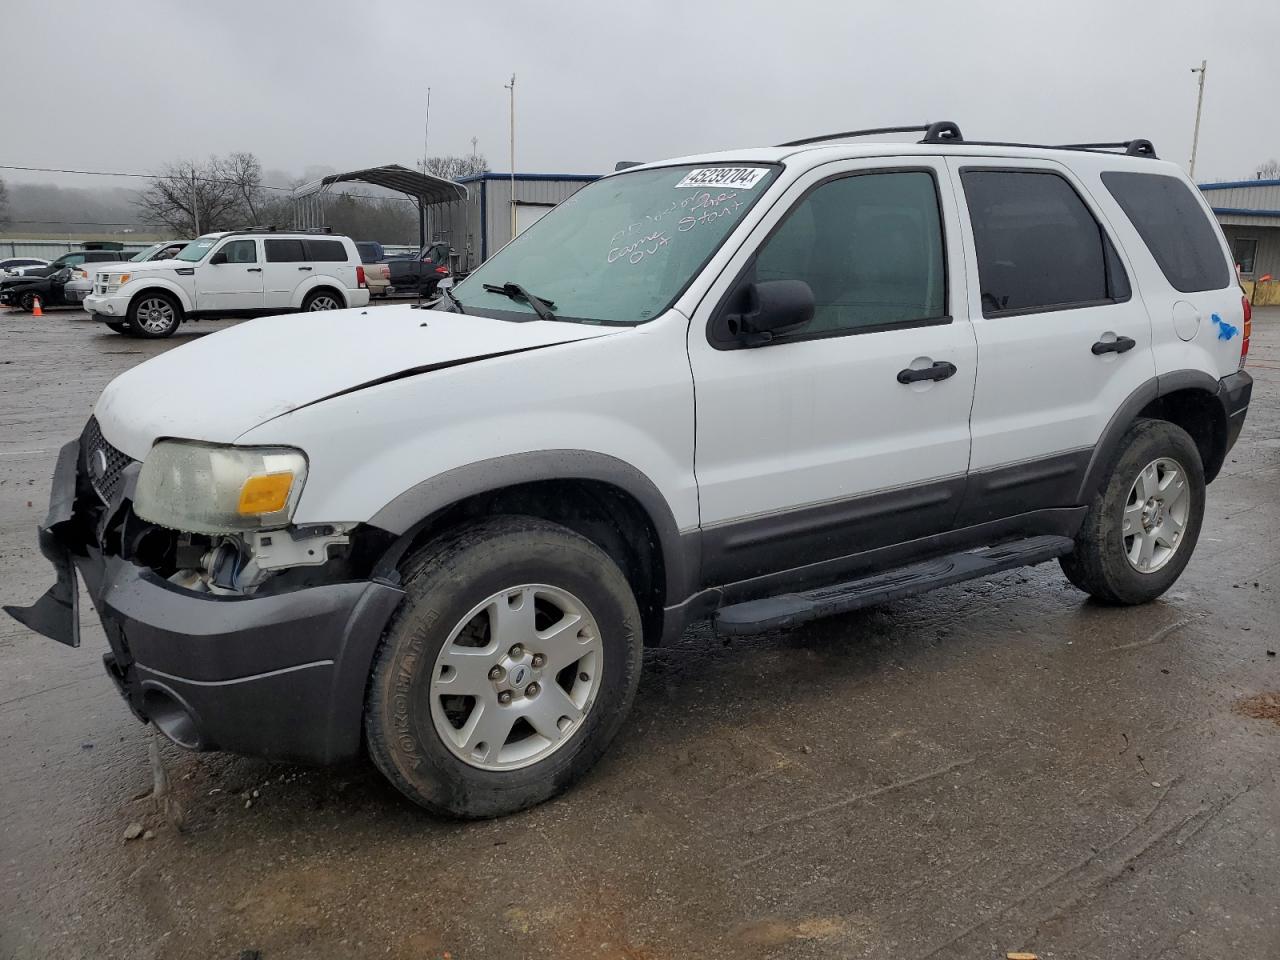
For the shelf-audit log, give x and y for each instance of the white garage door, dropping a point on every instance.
(527, 215)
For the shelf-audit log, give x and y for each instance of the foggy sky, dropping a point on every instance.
(343, 85)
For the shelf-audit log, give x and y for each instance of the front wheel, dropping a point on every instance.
(27, 302)
(154, 315)
(1142, 526)
(507, 670)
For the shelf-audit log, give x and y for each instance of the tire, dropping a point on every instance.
(27, 302)
(429, 289)
(154, 314)
(453, 588)
(1156, 485)
(323, 299)
(121, 327)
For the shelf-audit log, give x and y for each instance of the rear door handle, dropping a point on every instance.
(304, 268)
(939, 371)
(253, 270)
(1118, 345)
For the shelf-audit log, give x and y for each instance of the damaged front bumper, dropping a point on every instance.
(278, 675)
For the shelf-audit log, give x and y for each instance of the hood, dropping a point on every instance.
(221, 385)
(147, 266)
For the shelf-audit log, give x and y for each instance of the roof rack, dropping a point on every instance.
(272, 228)
(1132, 148)
(944, 131)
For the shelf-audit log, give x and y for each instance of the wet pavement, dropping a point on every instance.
(996, 766)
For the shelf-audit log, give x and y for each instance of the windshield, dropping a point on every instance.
(622, 249)
(142, 256)
(197, 249)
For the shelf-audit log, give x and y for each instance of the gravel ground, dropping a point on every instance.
(996, 766)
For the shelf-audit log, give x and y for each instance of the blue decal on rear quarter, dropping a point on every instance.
(1225, 330)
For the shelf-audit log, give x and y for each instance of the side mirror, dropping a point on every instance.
(771, 307)
(219, 257)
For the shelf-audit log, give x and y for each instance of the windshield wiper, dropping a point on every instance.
(516, 292)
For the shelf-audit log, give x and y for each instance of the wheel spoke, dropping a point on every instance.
(1175, 493)
(1146, 546)
(486, 730)
(463, 670)
(509, 625)
(1133, 518)
(546, 710)
(1148, 482)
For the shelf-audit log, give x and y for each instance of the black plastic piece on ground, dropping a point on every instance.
(772, 613)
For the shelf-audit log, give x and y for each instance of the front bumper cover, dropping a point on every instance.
(279, 676)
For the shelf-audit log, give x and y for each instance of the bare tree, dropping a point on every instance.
(244, 173)
(1268, 170)
(4, 204)
(453, 168)
(191, 196)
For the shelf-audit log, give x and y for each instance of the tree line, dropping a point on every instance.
(189, 197)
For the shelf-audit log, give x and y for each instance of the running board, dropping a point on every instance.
(789, 609)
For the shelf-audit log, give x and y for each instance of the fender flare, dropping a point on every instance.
(1107, 447)
(311, 283)
(168, 286)
(405, 516)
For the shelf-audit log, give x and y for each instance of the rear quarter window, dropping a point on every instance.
(327, 251)
(1175, 228)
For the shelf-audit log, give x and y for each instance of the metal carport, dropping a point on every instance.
(427, 190)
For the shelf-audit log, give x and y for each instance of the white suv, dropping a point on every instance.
(240, 273)
(759, 386)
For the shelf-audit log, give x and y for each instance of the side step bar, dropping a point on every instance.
(789, 609)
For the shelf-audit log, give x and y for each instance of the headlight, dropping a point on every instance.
(202, 488)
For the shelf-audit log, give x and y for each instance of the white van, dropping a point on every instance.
(759, 386)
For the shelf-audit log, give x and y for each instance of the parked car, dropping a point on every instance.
(23, 291)
(376, 272)
(81, 283)
(238, 273)
(761, 386)
(423, 273)
(73, 259)
(13, 266)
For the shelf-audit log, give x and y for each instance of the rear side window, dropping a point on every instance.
(328, 251)
(1174, 227)
(870, 248)
(285, 251)
(1039, 247)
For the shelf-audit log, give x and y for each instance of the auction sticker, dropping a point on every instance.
(739, 178)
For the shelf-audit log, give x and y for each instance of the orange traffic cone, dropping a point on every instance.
(35, 309)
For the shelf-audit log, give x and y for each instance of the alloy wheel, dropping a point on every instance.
(1155, 515)
(516, 677)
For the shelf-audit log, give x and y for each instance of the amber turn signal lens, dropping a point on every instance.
(265, 494)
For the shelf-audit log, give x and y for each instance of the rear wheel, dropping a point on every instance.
(154, 314)
(1142, 526)
(322, 300)
(508, 669)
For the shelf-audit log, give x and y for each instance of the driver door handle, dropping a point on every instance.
(939, 371)
(253, 270)
(304, 268)
(1118, 345)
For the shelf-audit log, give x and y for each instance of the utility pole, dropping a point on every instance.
(474, 141)
(426, 129)
(1195, 138)
(195, 202)
(512, 87)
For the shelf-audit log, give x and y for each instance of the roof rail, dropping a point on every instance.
(943, 131)
(272, 228)
(1132, 148)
